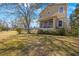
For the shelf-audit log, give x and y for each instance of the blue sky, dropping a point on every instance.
(4, 12)
(71, 7)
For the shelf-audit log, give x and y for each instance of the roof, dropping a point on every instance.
(51, 4)
(56, 15)
(47, 18)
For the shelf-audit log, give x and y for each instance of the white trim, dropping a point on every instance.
(58, 24)
(47, 28)
(59, 9)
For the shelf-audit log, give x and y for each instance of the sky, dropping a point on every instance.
(71, 7)
(4, 12)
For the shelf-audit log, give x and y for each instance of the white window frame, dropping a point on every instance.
(59, 9)
(58, 24)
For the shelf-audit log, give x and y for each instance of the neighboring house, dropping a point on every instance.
(53, 17)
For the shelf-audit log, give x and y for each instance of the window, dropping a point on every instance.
(60, 24)
(61, 9)
(50, 24)
(46, 24)
(48, 12)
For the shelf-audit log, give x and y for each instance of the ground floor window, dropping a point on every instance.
(46, 24)
(50, 25)
(60, 23)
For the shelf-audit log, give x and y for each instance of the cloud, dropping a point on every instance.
(71, 8)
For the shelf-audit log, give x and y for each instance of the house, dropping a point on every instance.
(53, 17)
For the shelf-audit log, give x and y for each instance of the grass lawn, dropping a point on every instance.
(12, 44)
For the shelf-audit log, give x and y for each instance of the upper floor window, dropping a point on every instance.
(48, 13)
(61, 9)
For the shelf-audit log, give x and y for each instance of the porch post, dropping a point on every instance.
(54, 25)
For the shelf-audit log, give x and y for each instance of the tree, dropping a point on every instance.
(27, 11)
(74, 17)
(3, 25)
(21, 23)
(21, 10)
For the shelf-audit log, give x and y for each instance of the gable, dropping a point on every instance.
(52, 9)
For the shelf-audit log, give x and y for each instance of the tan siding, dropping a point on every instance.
(53, 10)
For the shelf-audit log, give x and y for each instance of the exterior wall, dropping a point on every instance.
(53, 10)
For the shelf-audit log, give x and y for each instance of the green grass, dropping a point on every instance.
(39, 45)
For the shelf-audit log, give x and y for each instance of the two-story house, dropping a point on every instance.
(53, 17)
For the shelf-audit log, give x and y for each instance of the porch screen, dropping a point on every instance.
(47, 24)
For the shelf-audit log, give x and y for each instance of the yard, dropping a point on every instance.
(13, 44)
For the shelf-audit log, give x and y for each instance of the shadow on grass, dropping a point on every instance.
(45, 46)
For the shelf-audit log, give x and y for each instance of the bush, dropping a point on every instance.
(43, 32)
(19, 30)
(51, 32)
(2, 28)
(75, 32)
(61, 32)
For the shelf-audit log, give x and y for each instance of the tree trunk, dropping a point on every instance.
(28, 29)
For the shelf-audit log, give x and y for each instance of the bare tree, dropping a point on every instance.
(27, 11)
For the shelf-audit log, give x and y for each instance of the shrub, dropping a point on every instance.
(75, 32)
(51, 32)
(40, 31)
(19, 30)
(61, 32)
(2, 28)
